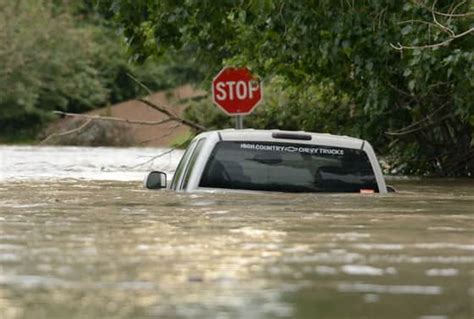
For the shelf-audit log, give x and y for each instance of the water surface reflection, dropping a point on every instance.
(88, 248)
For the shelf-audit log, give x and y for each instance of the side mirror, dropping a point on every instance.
(155, 180)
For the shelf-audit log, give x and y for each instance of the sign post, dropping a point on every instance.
(237, 92)
(239, 122)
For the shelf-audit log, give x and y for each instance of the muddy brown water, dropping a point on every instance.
(92, 248)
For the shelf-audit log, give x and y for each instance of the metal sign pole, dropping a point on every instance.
(239, 122)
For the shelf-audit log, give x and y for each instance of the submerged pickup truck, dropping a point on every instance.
(274, 160)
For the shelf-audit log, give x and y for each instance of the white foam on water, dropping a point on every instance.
(90, 163)
(253, 232)
(443, 272)
(421, 259)
(371, 298)
(444, 245)
(362, 270)
(378, 246)
(366, 270)
(217, 212)
(395, 289)
(444, 228)
(325, 270)
(349, 236)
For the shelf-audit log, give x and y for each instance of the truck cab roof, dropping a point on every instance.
(302, 137)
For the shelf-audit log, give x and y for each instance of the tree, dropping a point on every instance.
(42, 69)
(63, 55)
(341, 59)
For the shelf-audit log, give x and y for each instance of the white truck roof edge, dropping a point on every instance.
(319, 138)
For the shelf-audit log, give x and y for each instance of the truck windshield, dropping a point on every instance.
(288, 168)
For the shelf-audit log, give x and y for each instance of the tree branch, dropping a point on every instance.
(153, 158)
(172, 117)
(76, 130)
(454, 15)
(414, 124)
(431, 24)
(406, 131)
(140, 83)
(401, 47)
(452, 34)
(170, 132)
(111, 118)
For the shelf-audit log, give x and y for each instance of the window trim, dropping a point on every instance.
(183, 163)
(192, 160)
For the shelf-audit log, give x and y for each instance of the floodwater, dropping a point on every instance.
(81, 238)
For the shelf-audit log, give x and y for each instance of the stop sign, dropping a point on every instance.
(236, 91)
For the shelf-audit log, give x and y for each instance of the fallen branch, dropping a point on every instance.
(90, 118)
(170, 132)
(173, 117)
(111, 118)
(153, 158)
(76, 130)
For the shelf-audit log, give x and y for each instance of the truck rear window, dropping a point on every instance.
(288, 168)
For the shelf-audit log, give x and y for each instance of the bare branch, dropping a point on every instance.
(170, 132)
(401, 47)
(76, 130)
(140, 83)
(414, 128)
(443, 27)
(426, 118)
(153, 158)
(451, 13)
(407, 94)
(434, 14)
(172, 117)
(423, 22)
(454, 15)
(111, 118)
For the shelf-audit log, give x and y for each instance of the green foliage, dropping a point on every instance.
(338, 66)
(63, 55)
(42, 69)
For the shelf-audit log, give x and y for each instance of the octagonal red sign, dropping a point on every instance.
(236, 91)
